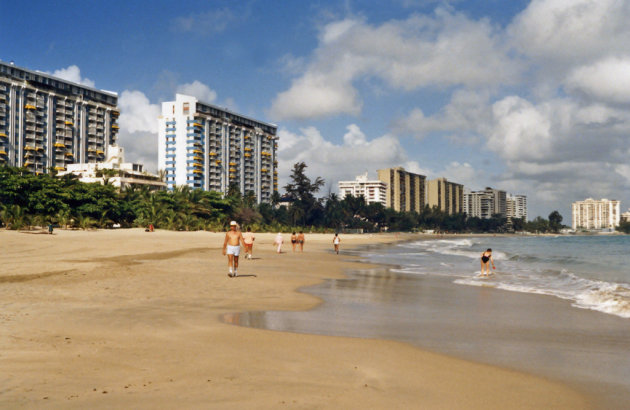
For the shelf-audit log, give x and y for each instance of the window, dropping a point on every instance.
(186, 108)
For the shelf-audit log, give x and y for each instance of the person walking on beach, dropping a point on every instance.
(336, 241)
(248, 241)
(232, 247)
(300, 241)
(486, 259)
(278, 242)
(293, 240)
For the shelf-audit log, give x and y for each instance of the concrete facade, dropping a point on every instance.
(595, 214)
(210, 148)
(373, 191)
(445, 195)
(47, 122)
(405, 190)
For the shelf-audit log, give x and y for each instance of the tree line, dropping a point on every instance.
(28, 200)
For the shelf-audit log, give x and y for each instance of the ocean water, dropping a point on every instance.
(592, 272)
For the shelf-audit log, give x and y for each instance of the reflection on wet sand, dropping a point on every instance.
(538, 334)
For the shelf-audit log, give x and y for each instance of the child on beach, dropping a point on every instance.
(486, 258)
(248, 240)
(232, 247)
(336, 241)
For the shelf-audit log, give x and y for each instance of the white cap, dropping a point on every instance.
(233, 223)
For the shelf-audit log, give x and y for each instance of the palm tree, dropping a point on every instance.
(85, 222)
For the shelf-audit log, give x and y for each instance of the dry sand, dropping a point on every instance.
(128, 319)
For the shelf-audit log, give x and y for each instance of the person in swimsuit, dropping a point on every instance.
(300, 241)
(293, 240)
(336, 241)
(248, 240)
(232, 247)
(486, 259)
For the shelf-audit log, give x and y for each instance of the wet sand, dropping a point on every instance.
(541, 335)
(111, 319)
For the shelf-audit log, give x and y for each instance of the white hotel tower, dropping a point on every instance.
(47, 122)
(210, 148)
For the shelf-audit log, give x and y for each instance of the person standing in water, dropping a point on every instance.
(232, 247)
(336, 241)
(486, 259)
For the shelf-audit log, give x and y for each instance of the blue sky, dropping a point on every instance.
(528, 96)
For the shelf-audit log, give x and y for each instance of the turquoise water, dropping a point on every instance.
(593, 272)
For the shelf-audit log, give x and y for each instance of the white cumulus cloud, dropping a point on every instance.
(199, 90)
(73, 73)
(138, 128)
(334, 162)
(571, 31)
(442, 50)
(607, 80)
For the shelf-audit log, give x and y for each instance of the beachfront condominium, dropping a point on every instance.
(47, 123)
(595, 214)
(516, 206)
(405, 190)
(445, 195)
(207, 147)
(484, 204)
(374, 191)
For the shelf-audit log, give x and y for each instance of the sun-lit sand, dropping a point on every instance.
(128, 319)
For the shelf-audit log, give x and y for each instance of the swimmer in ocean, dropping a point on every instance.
(486, 259)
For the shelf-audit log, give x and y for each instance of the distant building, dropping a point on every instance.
(595, 214)
(405, 190)
(115, 171)
(516, 206)
(484, 204)
(625, 217)
(446, 196)
(373, 191)
(208, 147)
(47, 122)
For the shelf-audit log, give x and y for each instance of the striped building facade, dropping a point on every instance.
(47, 123)
(207, 147)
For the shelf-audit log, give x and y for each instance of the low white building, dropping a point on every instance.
(115, 171)
(595, 214)
(373, 191)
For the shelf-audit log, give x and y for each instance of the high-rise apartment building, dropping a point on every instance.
(405, 190)
(516, 206)
(47, 122)
(445, 196)
(210, 148)
(372, 191)
(595, 214)
(484, 204)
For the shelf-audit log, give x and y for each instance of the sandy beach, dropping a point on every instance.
(128, 319)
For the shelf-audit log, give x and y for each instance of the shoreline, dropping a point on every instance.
(128, 318)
